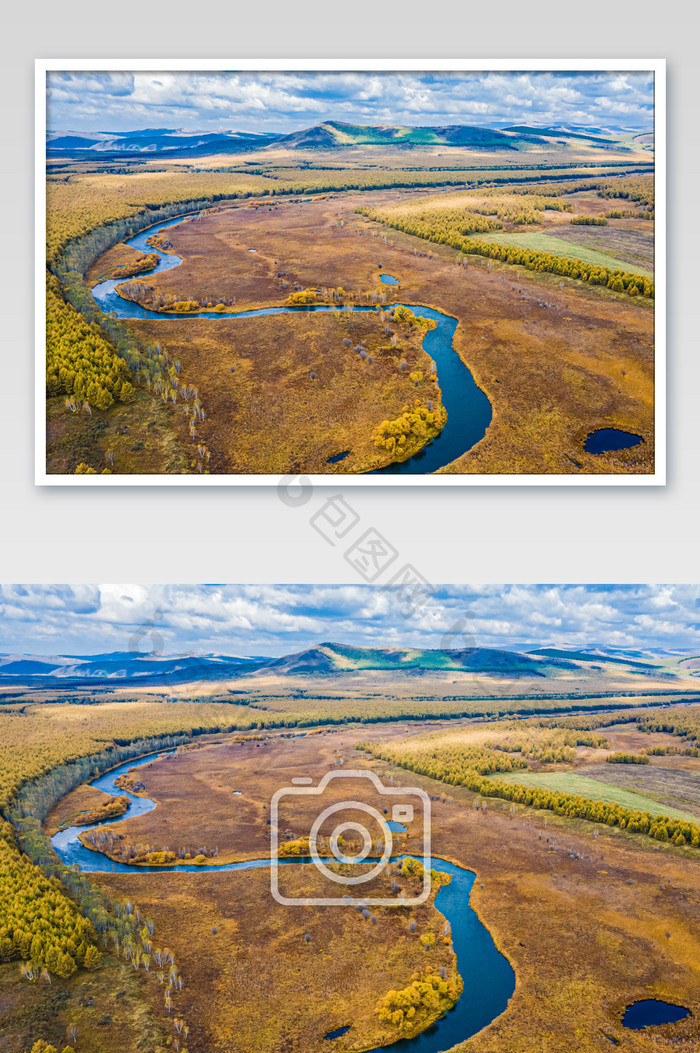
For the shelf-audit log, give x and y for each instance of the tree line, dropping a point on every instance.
(627, 758)
(39, 925)
(617, 280)
(468, 757)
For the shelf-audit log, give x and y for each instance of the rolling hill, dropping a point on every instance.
(328, 135)
(326, 659)
(336, 134)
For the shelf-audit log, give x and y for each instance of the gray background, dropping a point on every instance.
(477, 534)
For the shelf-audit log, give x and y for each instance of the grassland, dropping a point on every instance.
(552, 373)
(122, 261)
(530, 763)
(285, 393)
(468, 220)
(143, 438)
(268, 988)
(109, 1010)
(557, 358)
(85, 801)
(602, 918)
(558, 244)
(627, 242)
(670, 781)
(603, 921)
(595, 790)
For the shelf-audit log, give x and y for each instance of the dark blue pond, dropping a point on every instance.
(339, 1031)
(650, 1012)
(468, 408)
(606, 439)
(388, 279)
(489, 980)
(338, 457)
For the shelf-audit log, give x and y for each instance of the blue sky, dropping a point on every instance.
(283, 102)
(279, 619)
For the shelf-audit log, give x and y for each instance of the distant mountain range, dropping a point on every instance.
(128, 667)
(155, 141)
(328, 135)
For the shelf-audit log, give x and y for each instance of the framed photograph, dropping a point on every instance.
(277, 816)
(379, 272)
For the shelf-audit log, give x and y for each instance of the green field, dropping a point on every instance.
(571, 782)
(558, 247)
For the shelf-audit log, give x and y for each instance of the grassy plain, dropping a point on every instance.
(558, 243)
(670, 781)
(557, 359)
(267, 988)
(595, 789)
(109, 1009)
(143, 438)
(589, 924)
(630, 243)
(624, 244)
(284, 394)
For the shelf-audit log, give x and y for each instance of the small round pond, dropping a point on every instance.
(650, 1012)
(388, 279)
(604, 440)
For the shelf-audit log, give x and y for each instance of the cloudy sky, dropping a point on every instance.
(279, 619)
(284, 102)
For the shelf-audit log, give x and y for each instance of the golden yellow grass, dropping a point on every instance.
(283, 394)
(256, 985)
(84, 800)
(117, 262)
(108, 1007)
(144, 437)
(582, 919)
(553, 373)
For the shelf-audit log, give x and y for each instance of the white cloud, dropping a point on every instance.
(283, 101)
(274, 619)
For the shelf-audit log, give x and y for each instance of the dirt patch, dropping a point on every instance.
(627, 738)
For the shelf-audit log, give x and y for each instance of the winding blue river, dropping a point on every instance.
(489, 980)
(468, 408)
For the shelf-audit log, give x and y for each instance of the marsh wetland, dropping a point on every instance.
(545, 326)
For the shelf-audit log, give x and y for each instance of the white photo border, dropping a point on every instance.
(655, 66)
